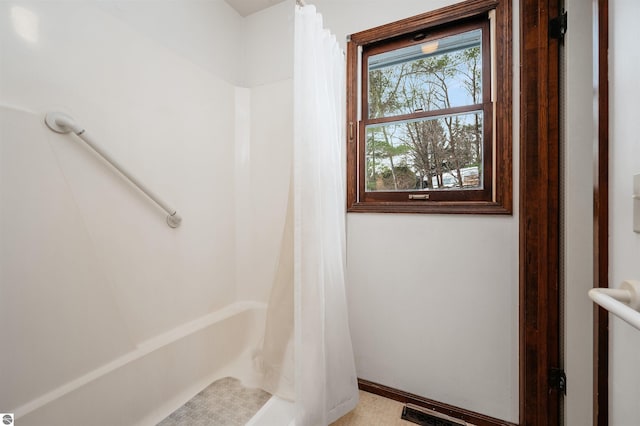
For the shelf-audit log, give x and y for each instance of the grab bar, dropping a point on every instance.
(62, 123)
(623, 302)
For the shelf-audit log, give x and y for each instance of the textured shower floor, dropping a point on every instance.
(223, 403)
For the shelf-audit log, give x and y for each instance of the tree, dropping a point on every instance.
(472, 72)
(433, 146)
(383, 90)
(381, 152)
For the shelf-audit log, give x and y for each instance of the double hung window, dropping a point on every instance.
(422, 109)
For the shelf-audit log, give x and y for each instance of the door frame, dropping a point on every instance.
(601, 216)
(539, 213)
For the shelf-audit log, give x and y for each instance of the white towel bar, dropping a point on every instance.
(62, 123)
(623, 302)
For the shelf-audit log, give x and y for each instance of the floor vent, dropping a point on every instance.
(425, 417)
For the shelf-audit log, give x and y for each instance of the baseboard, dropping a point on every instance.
(474, 418)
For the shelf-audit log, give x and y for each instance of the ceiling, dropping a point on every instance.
(247, 7)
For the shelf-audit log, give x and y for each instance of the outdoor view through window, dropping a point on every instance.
(424, 121)
(429, 117)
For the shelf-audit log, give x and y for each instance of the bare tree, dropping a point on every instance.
(433, 146)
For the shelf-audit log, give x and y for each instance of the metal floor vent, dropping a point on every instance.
(425, 417)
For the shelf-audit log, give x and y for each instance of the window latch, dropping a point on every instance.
(418, 196)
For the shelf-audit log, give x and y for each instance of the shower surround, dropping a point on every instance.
(111, 315)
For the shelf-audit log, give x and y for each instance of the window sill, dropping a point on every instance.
(433, 207)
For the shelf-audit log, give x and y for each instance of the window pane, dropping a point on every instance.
(442, 152)
(437, 74)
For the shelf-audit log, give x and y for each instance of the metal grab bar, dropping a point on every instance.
(62, 123)
(623, 302)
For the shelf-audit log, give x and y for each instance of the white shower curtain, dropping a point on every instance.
(325, 376)
(307, 354)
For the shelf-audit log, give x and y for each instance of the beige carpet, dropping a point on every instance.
(374, 410)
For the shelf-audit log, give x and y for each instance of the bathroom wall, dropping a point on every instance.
(624, 376)
(433, 299)
(89, 269)
(425, 320)
(266, 151)
(577, 212)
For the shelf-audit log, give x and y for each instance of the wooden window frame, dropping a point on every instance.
(496, 195)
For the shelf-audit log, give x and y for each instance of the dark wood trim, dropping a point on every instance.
(539, 213)
(427, 114)
(409, 398)
(353, 127)
(601, 221)
(426, 35)
(456, 12)
(441, 207)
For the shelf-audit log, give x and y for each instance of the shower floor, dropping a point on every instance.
(225, 402)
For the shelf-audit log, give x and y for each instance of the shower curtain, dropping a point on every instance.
(307, 354)
(325, 376)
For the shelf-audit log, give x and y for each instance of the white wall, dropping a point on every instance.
(205, 33)
(89, 268)
(624, 376)
(416, 357)
(577, 235)
(264, 174)
(267, 52)
(433, 299)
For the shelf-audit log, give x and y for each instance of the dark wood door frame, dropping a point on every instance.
(539, 213)
(601, 219)
(539, 217)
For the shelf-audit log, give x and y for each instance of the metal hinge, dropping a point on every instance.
(558, 380)
(558, 26)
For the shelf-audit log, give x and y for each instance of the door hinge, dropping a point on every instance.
(558, 380)
(558, 26)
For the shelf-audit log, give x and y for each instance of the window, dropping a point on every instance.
(429, 113)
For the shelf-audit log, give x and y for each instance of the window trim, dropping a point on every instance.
(485, 105)
(500, 180)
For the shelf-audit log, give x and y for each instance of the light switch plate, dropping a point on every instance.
(636, 203)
